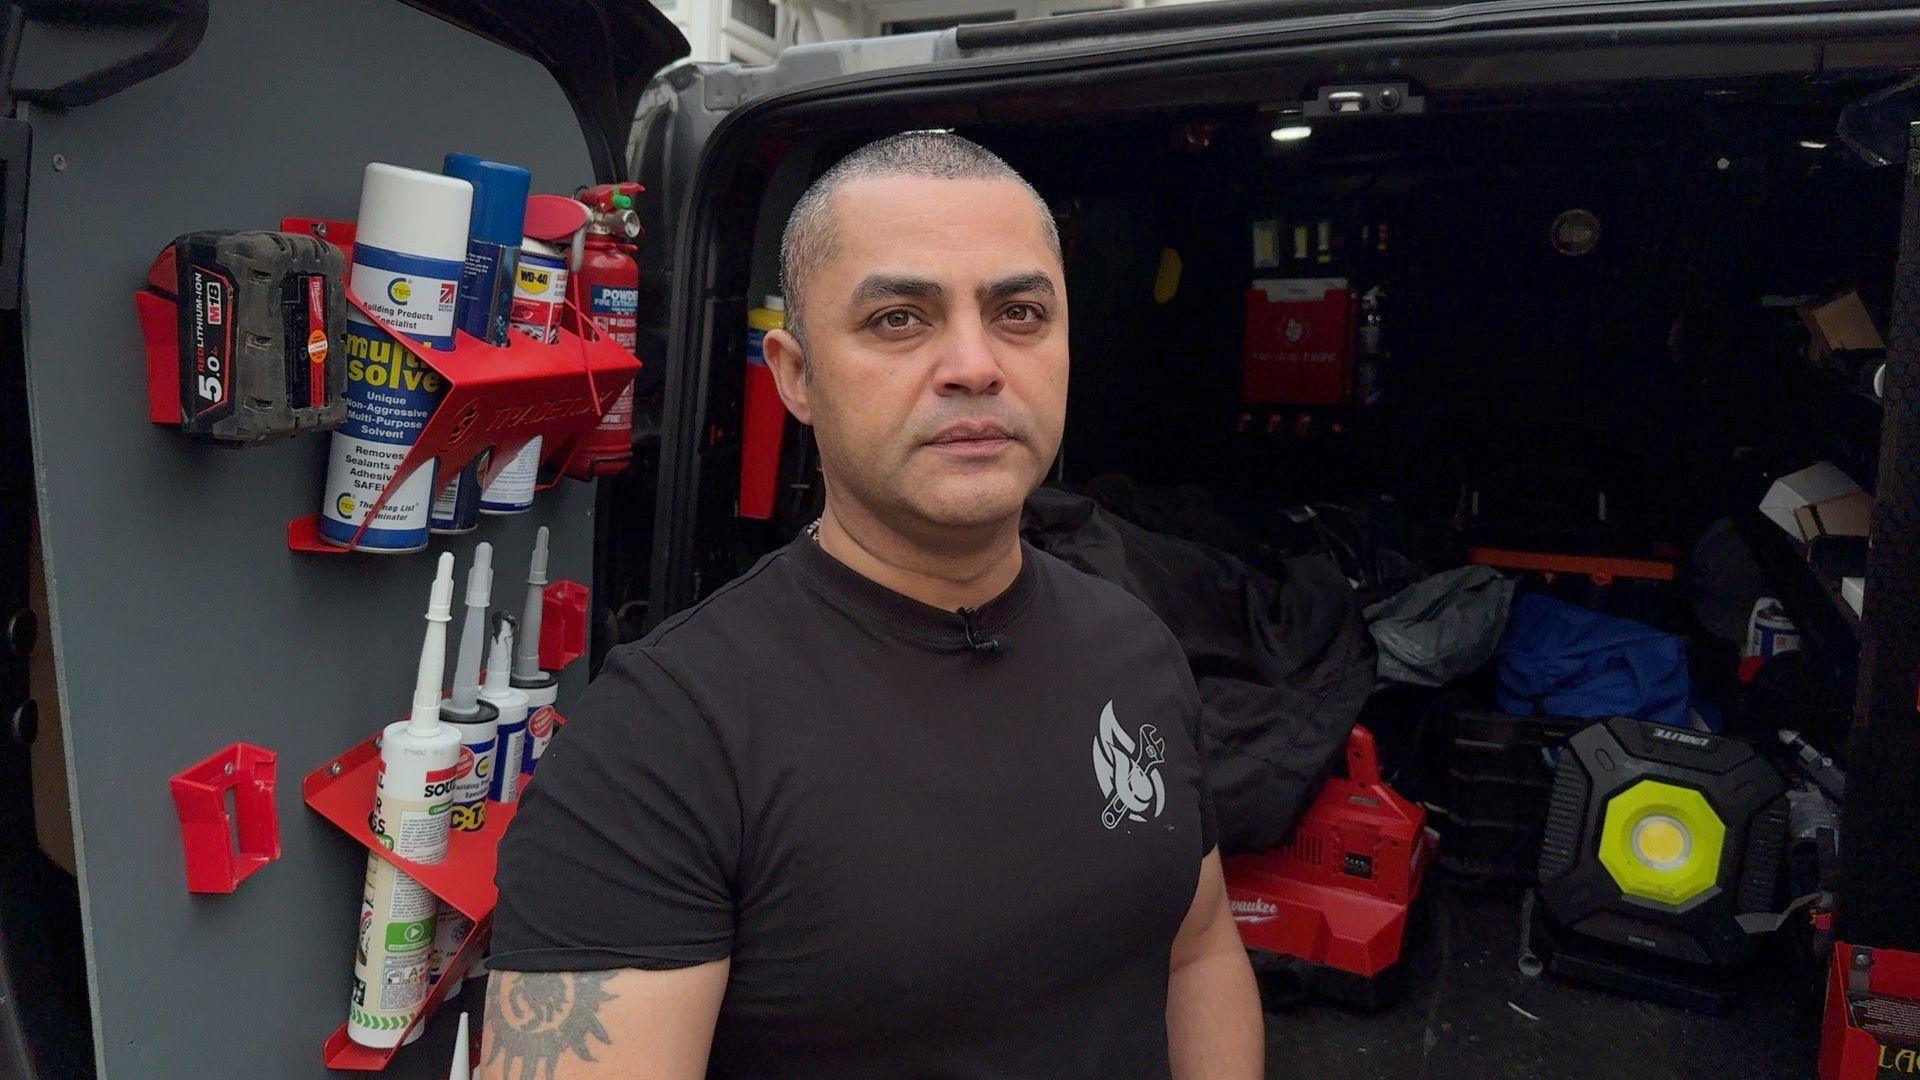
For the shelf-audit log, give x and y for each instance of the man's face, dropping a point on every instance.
(937, 345)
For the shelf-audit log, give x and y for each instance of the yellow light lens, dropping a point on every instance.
(1661, 842)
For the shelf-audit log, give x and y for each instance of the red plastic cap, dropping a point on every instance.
(554, 217)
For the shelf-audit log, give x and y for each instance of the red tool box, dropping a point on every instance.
(1331, 907)
(1872, 1027)
(1300, 342)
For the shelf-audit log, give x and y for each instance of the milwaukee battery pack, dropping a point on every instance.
(258, 325)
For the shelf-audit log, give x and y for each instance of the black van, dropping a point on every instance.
(1592, 243)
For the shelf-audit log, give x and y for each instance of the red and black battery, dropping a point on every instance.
(245, 336)
(1331, 907)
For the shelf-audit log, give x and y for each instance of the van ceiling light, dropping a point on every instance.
(1291, 133)
(1813, 144)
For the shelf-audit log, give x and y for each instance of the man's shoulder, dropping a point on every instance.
(745, 608)
(1097, 602)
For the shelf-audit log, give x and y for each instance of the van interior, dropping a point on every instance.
(1586, 309)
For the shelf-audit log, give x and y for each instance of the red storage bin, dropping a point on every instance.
(1300, 336)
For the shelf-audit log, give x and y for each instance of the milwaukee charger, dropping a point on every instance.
(1331, 907)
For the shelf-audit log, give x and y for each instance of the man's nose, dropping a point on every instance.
(968, 364)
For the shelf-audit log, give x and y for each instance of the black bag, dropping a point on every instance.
(1283, 666)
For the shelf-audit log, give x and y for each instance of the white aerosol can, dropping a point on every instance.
(411, 807)
(512, 704)
(408, 255)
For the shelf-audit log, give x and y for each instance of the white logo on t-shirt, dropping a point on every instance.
(1129, 771)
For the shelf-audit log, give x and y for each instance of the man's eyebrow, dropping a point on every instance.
(890, 286)
(1031, 281)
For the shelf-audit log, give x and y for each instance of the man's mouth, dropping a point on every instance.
(972, 438)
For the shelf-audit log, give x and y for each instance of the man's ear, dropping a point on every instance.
(788, 362)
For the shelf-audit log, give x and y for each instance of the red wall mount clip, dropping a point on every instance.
(563, 624)
(208, 830)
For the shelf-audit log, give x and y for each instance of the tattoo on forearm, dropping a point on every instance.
(533, 1019)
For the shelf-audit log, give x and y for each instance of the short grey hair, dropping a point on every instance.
(809, 242)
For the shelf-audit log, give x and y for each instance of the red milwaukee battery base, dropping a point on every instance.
(1331, 906)
(1872, 1026)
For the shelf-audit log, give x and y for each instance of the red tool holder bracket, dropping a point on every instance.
(342, 791)
(499, 396)
(208, 831)
(563, 624)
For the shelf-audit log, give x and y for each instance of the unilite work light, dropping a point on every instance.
(1657, 840)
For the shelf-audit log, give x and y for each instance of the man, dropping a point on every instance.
(910, 798)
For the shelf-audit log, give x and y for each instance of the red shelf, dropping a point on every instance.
(464, 880)
(342, 791)
(503, 396)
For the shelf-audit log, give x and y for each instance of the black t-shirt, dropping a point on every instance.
(925, 858)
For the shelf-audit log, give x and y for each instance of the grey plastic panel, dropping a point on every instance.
(180, 620)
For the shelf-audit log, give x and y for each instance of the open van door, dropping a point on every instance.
(176, 621)
(732, 147)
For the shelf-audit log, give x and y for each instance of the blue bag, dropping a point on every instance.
(1562, 660)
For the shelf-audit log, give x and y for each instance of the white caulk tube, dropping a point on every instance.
(410, 811)
(473, 772)
(512, 704)
(542, 688)
(474, 719)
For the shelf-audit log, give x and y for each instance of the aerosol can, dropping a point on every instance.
(418, 758)
(606, 284)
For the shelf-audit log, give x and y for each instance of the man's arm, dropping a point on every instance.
(1214, 1026)
(598, 1025)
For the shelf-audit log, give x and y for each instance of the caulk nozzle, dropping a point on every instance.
(425, 719)
(480, 578)
(473, 634)
(500, 658)
(537, 569)
(440, 602)
(526, 658)
(462, 1053)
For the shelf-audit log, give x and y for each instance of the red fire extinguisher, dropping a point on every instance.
(607, 287)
